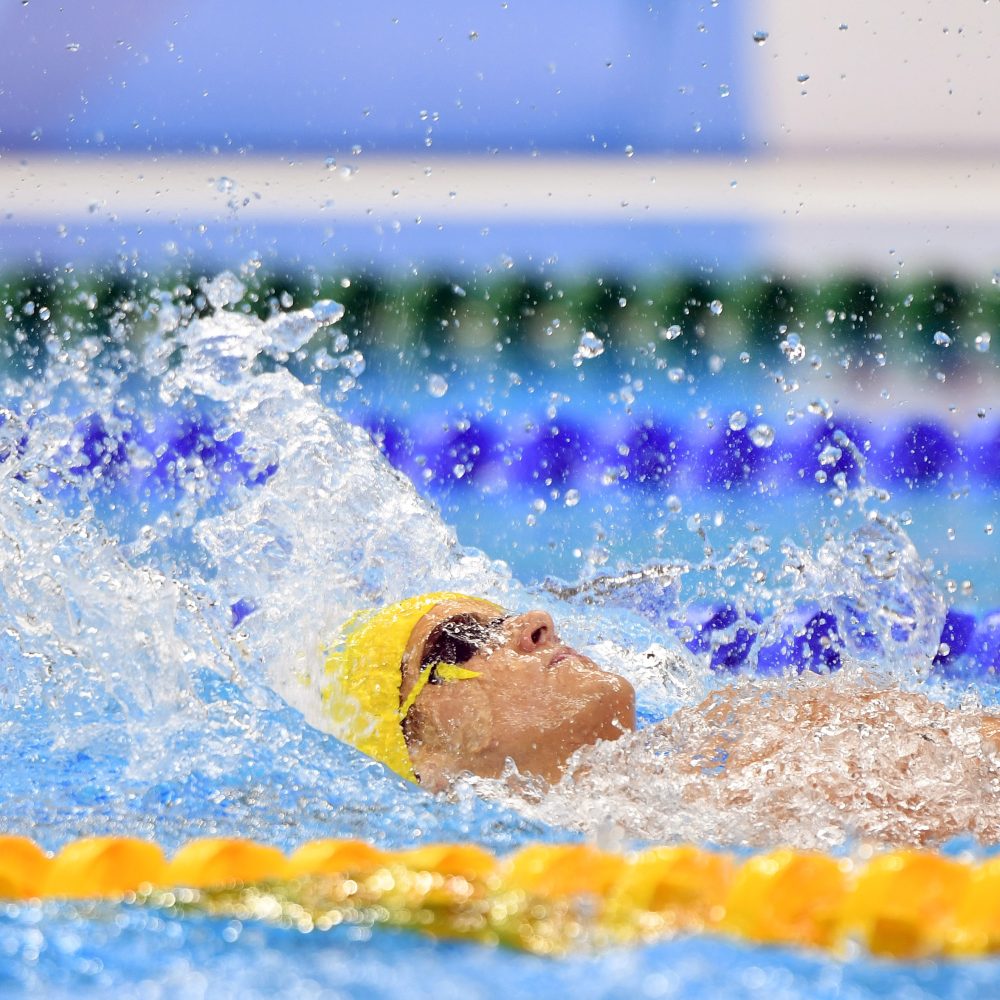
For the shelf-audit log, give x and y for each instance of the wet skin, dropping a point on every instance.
(536, 701)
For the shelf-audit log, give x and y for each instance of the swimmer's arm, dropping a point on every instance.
(727, 728)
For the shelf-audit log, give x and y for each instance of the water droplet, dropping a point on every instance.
(737, 420)
(671, 332)
(842, 26)
(793, 348)
(437, 385)
(590, 346)
(830, 455)
(983, 342)
(802, 77)
(760, 37)
(674, 504)
(723, 90)
(676, 375)
(354, 363)
(223, 290)
(762, 436)
(744, 357)
(330, 163)
(941, 339)
(988, 529)
(572, 498)
(473, 36)
(327, 312)
(629, 152)
(715, 307)
(72, 46)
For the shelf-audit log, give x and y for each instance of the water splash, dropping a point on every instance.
(251, 501)
(128, 700)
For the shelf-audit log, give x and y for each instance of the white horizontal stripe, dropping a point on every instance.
(795, 189)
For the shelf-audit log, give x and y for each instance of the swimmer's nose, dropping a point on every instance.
(533, 630)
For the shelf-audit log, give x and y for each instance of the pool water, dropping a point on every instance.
(187, 518)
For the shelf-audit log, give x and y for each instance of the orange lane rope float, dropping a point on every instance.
(545, 898)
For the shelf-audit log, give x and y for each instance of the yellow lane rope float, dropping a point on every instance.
(545, 898)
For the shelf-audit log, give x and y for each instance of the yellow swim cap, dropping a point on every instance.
(365, 675)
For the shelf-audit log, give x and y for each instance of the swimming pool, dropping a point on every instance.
(185, 520)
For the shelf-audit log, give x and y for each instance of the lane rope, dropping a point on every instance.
(547, 899)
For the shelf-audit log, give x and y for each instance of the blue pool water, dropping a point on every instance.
(184, 522)
(58, 954)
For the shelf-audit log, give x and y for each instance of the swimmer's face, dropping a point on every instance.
(535, 701)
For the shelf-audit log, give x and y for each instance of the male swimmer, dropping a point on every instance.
(443, 684)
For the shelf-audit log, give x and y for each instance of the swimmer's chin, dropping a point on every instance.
(440, 776)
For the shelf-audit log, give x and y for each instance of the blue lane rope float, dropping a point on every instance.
(811, 638)
(651, 453)
(642, 453)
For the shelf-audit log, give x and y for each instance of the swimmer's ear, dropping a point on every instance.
(470, 730)
(452, 732)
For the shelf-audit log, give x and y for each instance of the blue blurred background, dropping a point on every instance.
(765, 134)
(471, 78)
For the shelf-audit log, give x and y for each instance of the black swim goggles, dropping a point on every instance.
(452, 642)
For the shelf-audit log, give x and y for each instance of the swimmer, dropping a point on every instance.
(444, 685)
